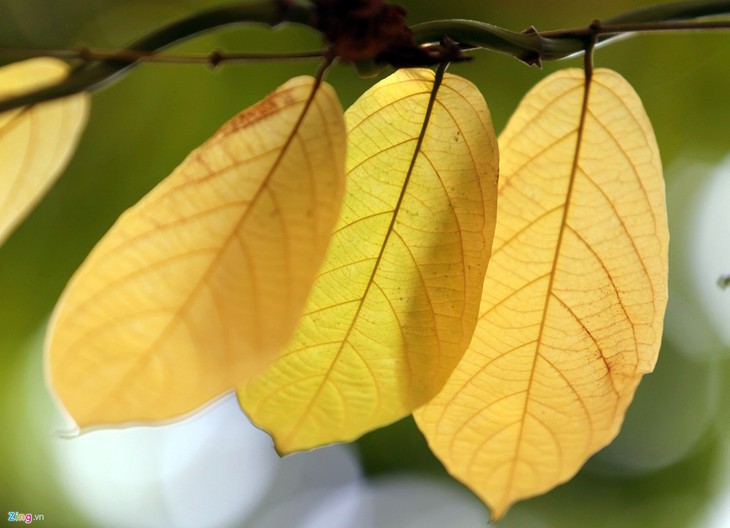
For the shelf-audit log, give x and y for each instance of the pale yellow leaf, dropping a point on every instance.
(36, 141)
(200, 284)
(574, 298)
(395, 303)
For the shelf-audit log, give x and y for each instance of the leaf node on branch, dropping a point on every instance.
(361, 30)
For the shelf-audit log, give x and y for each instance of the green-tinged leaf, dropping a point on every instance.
(200, 285)
(36, 141)
(395, 303)
(573, 303)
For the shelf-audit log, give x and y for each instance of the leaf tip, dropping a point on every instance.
(497, 512)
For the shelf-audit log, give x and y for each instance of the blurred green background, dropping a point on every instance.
(670, 467)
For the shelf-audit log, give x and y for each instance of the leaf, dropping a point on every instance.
(200, 285)
(36, 142)
(573, 302)
(395, 303)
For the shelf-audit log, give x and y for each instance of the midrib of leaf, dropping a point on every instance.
(416, 151)
(553, 271)
(143, 359)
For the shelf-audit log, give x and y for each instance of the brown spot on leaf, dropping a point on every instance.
(261, 110)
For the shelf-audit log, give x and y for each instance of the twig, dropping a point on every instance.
(212, 59)
(640, 27)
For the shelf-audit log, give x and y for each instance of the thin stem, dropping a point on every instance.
(641, 27)
(591, 41)
(673, 11)
(212, 59)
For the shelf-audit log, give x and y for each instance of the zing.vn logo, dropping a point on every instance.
(27, 518)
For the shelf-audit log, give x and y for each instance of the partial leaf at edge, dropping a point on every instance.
(573, 303)
(36, 142)
(395, 303)
(200, 285)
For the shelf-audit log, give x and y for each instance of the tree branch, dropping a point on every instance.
(529, 46)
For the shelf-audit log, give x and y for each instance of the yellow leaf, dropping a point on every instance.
(396, 301)
(574, 298)
(36, 141)
(200, 284)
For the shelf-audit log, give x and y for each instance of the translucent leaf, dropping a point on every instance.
(200, 285)
(574, 298)
(396, 301)
(36, 141)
